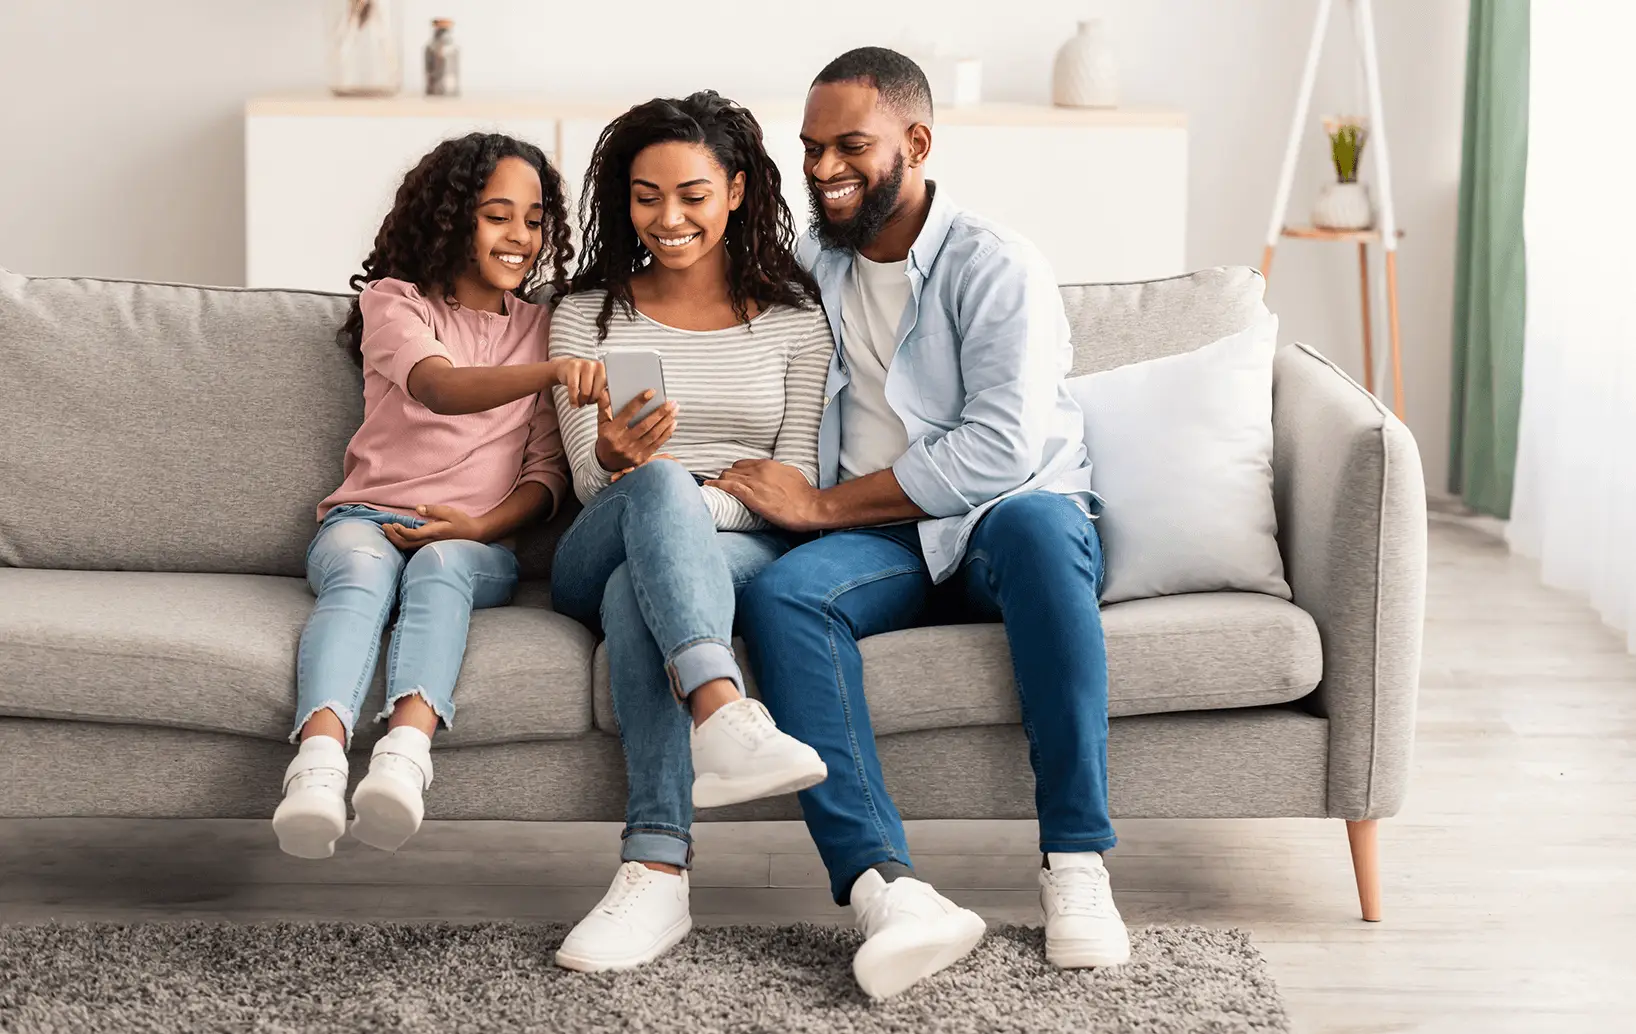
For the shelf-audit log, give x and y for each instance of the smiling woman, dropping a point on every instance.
(675, 181)
(680, 202)
(688, 252)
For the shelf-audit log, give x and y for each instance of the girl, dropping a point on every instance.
(458, 449)
(688, 251)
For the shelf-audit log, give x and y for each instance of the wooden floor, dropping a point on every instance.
(1509, 879)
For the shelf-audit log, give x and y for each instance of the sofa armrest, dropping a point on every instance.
(1351, 502)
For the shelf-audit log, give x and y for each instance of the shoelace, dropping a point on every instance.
(1082, 892)
(752, 721)
(626, 889)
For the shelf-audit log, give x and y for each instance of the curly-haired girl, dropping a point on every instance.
(688, 250)
(458, 449)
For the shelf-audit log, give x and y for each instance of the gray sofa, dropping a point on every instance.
(162, 449)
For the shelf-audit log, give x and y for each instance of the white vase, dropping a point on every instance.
(956, 82)
(365, 49)
(1343, 206)
(1085, 74)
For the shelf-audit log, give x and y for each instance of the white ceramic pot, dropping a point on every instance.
(1085, 74)
(956, 82)
(1343, 206)
(365, 48)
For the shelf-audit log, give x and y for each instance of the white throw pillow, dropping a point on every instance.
(1181, 452)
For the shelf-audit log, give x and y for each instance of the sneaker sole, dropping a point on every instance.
(385, 821)
(1086, 956)
(308, 834)
(714, 791)
(884, 968)
(668, 940)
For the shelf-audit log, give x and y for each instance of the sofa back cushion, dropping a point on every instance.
(152, 427)
(158, 427)
(1117, 324)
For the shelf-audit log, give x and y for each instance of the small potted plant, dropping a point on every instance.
(1344, 204)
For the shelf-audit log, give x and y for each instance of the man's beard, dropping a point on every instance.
(874, 209)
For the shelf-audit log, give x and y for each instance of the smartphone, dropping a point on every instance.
(632, 371)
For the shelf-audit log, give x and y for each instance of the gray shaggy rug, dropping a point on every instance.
(440, 977)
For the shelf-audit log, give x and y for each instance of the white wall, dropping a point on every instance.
(121, 145)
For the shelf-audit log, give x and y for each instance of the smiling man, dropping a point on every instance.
(953, 479)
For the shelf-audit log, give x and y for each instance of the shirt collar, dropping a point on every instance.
(509, 305)
(929, 243)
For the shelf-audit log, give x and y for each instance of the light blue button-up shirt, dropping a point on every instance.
(978, 378)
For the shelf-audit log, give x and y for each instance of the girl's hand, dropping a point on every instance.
(620, 447)
(443, 523)
(584, 379)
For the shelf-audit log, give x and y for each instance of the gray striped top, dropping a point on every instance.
(748, 392)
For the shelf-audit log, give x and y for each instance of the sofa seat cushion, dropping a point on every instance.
(1196, 652)
(218, 653)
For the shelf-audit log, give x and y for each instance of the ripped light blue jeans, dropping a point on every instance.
(358, 576)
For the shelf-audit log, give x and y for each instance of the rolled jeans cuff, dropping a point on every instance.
(650, 845)
(1078, 845)
(702, 662)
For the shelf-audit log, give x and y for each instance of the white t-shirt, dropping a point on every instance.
(872, 306)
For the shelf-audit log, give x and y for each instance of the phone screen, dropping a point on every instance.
(631, 372)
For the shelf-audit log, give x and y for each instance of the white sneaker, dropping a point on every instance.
(643, 915)
(388, 801)
(739, 755)
(911, 931)
(313, 813)
(1082, 926)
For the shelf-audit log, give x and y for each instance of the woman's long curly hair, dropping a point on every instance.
(426, 239)
(760, 237)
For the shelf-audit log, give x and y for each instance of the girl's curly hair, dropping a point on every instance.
(760, 237)
(426, 239)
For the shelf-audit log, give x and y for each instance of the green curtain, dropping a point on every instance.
(1490, 282)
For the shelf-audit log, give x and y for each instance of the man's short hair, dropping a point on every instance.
(899, 81)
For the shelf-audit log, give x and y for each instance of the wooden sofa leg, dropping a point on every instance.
(1366, 866)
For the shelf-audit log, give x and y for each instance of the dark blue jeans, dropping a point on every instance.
(1034, 562)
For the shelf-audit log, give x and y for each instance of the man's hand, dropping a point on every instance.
(620, 447)
(776, 491)
(584, 378)
(442, 523)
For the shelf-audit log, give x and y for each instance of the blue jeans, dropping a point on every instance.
(358, 574)
(1034, 562)
(645, 562)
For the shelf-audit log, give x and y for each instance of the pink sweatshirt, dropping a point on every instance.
(404, 455)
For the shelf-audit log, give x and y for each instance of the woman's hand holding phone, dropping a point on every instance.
(620, 447)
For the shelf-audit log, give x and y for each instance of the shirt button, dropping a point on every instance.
(826, 400)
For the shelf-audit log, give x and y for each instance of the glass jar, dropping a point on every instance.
(365, 48)
(442, 61)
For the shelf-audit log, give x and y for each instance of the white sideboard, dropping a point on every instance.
(1102, 193)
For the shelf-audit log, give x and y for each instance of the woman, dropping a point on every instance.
(687, 251)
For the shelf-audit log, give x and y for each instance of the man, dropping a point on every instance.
(950, 446)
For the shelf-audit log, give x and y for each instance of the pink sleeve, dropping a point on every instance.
(543, 459)
(397, 330)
